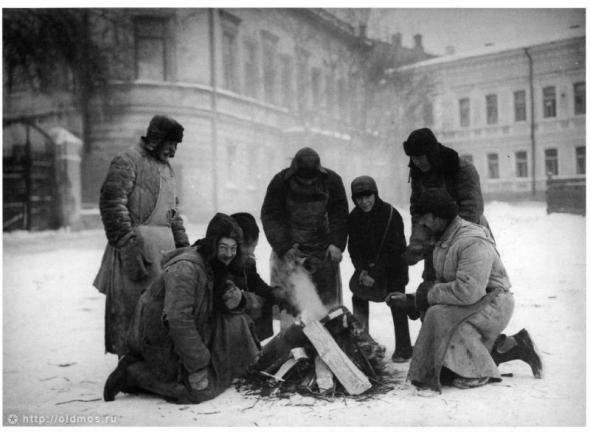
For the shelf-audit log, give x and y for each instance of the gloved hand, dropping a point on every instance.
(232, 295)
(365, 279)
(334, 253)
(198, 380)
(282, 299)
(293, 254)
(413, 254)
(422, 295)
(134, 260)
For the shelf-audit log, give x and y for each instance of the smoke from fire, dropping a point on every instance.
(305, 296)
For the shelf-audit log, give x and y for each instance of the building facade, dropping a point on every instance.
(519, 114)
(250, 86)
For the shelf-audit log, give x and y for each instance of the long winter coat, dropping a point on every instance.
(179, 328)
(458, 176)
(470, 306)
(365, 234)
(311, 214)
(128, 200)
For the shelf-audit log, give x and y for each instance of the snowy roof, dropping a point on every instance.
(493, 49)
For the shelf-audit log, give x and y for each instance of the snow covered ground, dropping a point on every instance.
(55, 366)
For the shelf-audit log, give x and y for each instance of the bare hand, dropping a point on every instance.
(232, 296)
(334, 253)
(198, 380)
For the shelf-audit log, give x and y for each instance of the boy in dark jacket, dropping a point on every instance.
(376, 243)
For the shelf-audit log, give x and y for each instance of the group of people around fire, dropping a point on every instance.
(186, 319)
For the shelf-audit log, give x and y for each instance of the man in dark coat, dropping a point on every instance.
(304, 217)
(376, 243)
(435, 166)
(190, 336)
(138, 206)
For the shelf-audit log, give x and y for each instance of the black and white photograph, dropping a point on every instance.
(285, 215)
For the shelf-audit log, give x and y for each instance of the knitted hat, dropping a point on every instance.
(438, 202)
(162, 128)
(363, 185)
(421, 142)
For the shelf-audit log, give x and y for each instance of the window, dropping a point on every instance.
(150, 48)
(342, 106)
(493, 166)
(580, 98)
(250, 69)
(519, 105)
(521, 164)
(302, 78)
(232, 163)
(549, 102)
(464, 112)
(229, 61)
(286, 82)
(316, 98)
(269, 52)
(551, 162)
(581, 160)
(492, 108)
(229, 25)
(331, 94)
(428, 113)
(467, 157)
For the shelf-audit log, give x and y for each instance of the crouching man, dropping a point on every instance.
(466, 308)
(189, 336)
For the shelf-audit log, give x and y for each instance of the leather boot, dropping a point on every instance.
(118, 380)
(524, 350)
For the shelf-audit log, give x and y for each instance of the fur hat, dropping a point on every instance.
(363, 185)
(220, 226)
(438, 202)
(421, 142)
(162, 128)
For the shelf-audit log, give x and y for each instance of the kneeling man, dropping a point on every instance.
(468, 305)
(190, 336)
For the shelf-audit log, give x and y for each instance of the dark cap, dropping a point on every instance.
(438, 202)
(363, 185)
(306, 163)
(162, 128)
(421, 142)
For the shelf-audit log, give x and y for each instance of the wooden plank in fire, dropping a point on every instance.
(354, 381)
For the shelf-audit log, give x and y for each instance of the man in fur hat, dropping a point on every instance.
(304, 217)
(435, 166)
(138, 206)
(190, 335)
(466, 307)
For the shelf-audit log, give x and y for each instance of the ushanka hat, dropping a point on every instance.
(162, 128)
(421, 142)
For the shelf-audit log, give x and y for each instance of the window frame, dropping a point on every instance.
(549, 101)
(464, 112)
(521, 164)
(492, 109)
(493, 161)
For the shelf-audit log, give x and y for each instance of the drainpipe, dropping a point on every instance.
(533, 143)
(213, 61)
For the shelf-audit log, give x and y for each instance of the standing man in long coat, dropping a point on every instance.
(304, 216)
(138, 206)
